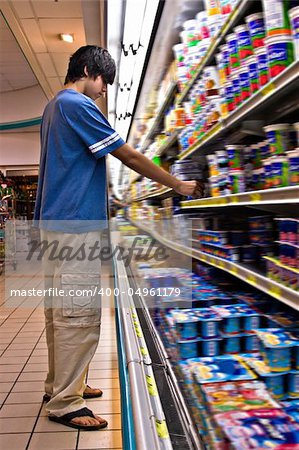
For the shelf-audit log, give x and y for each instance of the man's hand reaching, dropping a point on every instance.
(190, 188)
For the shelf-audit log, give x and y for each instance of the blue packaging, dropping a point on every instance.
(186, 324)
(293, 384)
(251, 322)
(291, 407)
(188, 349)
(210, 347)
(250, 343)
(231, 344)
(208, 321)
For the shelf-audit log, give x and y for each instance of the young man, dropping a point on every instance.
(70, 210)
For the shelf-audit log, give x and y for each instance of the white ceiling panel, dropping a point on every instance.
(55, 84)
(46, 63)
(59, 9)
(52, 28)
(34, 35)
(23, 9)
(5, 86)
(61, 61)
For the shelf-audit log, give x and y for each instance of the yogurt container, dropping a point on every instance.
(244, 42)
(229, 95)
(256, 27)
(293, 384)
(215, 25)
(211, 80)
(251, 64)
(232, 42)
(203, 28)
(210, 347)
(293, 158)
(294, 19)
(278, 136)
(212, 7)
(264, 149)
(231, 344)
(191, 28)
(267, 165)
(276, 17)
(213, 167)
(225, 56)
(178, 50)
(249, 254)
(220, 67)
(244, 83)
(234, 153)
(236, 87)
(214, 187)
(208, 322)
(188, 349)
(280, 53)
(258, 179)
(262, 65)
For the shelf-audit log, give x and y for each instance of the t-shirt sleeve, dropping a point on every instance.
(96, 131)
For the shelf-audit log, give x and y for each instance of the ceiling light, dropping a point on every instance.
(67, 37)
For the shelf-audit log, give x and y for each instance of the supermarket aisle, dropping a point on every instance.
(23, 365)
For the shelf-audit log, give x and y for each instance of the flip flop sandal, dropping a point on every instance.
(83, 412)
(47, 397)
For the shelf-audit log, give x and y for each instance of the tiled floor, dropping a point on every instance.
(23, 366)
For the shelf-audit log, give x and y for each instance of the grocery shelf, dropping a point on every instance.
(158, 193)
(261, 282)
(239, 12)
(151, 132)
(264, 104)
(283, 195)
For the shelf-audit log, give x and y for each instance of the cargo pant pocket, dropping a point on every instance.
(80, 297)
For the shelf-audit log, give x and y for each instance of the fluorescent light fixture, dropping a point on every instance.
(67, 37)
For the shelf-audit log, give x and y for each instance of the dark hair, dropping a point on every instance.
(97, 61)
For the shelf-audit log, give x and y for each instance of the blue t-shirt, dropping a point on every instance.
(75, 137)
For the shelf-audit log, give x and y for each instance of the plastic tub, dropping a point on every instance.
(225, 55)
(229, 95)
(203, 28)
(279, 138)
(231, 344)
(232, 42)
(236, 87)
(276, 17)
(244, 42)
(280, 171)
(294, 19)
(244, 83)
(293, 158)
(234, 153)
(256, 27)
(280, 53)
(264, 149)
(267, 165)
(251, 64)
(293, 384)
(178, 51)
(211, 80)
(220, 67)
(215, 25)
(212, 7)
(210, 347)
(213, 167)
(191, 28)
(262, 65)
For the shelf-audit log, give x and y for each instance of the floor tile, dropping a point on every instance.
(113, 373)
(28, 386)
(5, 377)
(3, 396)
(21, 410)
(105, 357)
(103, 439)
(16, 353)
(109, 394)
(104, 383)
(5, 387)
(32, 376)
(23, 397)
(102, 406)
(38, 359)
(13, 359)
(11, 368)
(44, 425)
(103, 365)
(54, 441)
(14, 441)
(17, 425)
(35, 367)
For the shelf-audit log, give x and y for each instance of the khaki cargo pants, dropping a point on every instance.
(73, 318)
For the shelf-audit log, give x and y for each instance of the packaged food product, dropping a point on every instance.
(209, 322)
(293, 158)
(258, 179)
(280, 171)
(236, 87)
(232, 42)
(262, 429)
(225, 56)
(267, 165)
(178, 50)
(244, 83)
(222, 161)
(276, 17)
(260, 223)
(256, 27)
(226, 6)
(220, 368)
(238, 237)
(280, 53)
(296, 129)
(256, 157)
(251, 64)
(294, 19)
(214, 24)
(249, 253)
(223, 103)
(229, 96)
(244, 42)
(264, 149)
(276, 345)
(221, 69)
(278, 136)
(212, 7)
(231, 343)
(210, 347)
(203, 28)
(214, 187)
(211, 80)
(262, 65)
(235, 159)
(191, 28)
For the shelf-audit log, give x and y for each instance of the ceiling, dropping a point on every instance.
(33, 27)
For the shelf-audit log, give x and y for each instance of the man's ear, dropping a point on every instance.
(86, 71)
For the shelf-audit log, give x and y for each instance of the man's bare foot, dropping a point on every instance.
(87, 421)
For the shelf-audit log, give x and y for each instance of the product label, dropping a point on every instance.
(253, 75)
(281, 55)
(263, 69)
(295, 25)
(257, 28)
(244, 43)
(276, 15)
(233, 53)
